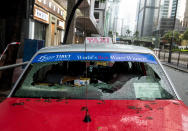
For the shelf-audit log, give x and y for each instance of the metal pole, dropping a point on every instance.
(187, 64)
(69, 20)
(164, 55)
(159, 55)
(122, 27)
(178, 59)
(13, 66)
(172, 39)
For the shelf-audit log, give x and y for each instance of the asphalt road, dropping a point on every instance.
(180, 80)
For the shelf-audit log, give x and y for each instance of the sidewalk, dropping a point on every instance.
(183, 69)
(179, 61)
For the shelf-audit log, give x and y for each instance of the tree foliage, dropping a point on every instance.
(185, 35)
(110, 33)
(128, 32)
(136, 34)
(168, 36)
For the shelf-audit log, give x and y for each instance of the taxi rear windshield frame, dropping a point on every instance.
(86, 56)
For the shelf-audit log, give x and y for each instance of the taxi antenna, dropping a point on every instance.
(87, 117)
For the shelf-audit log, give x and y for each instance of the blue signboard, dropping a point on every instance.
(118, 39)
(93, 56)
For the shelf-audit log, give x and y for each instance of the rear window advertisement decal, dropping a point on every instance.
(75, 56)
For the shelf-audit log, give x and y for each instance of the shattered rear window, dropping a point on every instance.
(103, 80)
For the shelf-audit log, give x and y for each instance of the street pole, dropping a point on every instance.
(122, 27)
(115, 24)
(172, 39)
(70, 21)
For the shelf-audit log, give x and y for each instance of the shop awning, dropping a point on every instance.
(87, 24)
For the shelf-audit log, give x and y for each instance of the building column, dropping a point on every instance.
(71, 33)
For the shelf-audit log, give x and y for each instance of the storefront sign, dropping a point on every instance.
(98, 40)
(61, 24)
(41, 15)
(53, 57)
(52, 7)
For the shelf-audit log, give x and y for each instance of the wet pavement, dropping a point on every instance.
(180, 80)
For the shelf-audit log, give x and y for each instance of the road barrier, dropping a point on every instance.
(179, 58)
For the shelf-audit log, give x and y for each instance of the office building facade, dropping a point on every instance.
(146, 17)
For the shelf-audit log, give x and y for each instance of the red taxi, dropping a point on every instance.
(96, 87)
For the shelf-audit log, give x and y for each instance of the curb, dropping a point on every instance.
(175, 67)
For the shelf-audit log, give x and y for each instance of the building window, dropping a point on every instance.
(61, 13)
(50, 4)
(96, 4)
(96, 14)
(54, 7)
(39, 31)
(44, 1)
(58, 10)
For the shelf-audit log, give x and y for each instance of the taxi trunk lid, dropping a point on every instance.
(56, 114)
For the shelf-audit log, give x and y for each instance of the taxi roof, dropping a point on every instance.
(97, 48)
